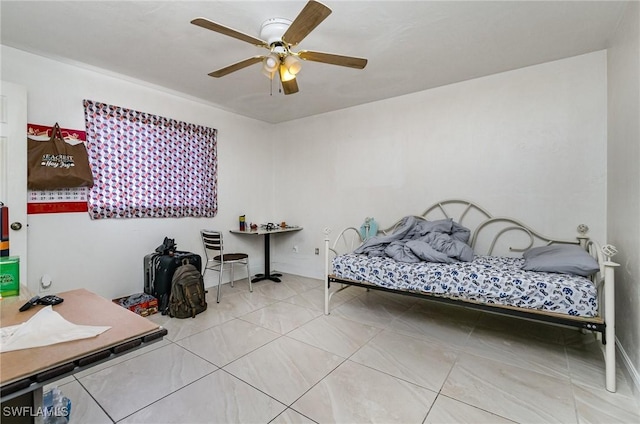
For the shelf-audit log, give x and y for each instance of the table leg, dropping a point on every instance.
(267, 263)
(38, 401)
(26, 408)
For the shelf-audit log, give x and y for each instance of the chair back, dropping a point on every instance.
(212, 242)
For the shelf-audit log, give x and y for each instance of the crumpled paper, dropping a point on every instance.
(45, 328)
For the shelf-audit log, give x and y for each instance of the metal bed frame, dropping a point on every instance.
(502, 231)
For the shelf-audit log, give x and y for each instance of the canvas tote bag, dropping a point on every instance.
(54, 163)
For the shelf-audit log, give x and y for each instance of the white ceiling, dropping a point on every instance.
(411, 45)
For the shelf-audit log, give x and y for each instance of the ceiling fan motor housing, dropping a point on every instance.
(273, 29)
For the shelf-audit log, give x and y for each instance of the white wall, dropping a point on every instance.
(106, 256)
(624, 181)
(529, 144)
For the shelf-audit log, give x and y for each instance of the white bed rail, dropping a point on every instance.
(605, 280)
(500, 227)
(461, 211)
(457, 209)
(347, 241)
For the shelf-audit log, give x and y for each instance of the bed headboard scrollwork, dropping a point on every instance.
(489, 234)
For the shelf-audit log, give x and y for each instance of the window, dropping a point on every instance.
(149, 166)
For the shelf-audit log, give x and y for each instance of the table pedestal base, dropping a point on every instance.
(272, 277)
(267, 264)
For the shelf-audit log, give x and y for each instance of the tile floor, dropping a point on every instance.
(272, 356)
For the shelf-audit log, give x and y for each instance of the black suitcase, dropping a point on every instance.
(159, 270)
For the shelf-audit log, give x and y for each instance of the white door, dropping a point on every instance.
(13, 168)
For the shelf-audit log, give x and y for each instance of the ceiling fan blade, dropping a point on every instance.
(206, 23)
(310, 17)
(333, 59)
(236, 67)
(289, 87)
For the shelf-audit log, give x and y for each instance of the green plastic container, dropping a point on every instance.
(9, 276)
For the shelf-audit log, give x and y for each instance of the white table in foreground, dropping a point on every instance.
(267, 250)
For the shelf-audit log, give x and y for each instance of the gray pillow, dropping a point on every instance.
(560, 258)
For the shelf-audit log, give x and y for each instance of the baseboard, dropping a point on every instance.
(631, 369)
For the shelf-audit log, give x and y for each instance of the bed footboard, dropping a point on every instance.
(327, 298)
(610, 316)
(347, 240)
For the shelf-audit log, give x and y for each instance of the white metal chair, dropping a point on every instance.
(217, 260)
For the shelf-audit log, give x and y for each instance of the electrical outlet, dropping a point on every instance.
(45, 283)
(317, 251)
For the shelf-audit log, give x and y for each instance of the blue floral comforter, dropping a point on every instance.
(486, 279)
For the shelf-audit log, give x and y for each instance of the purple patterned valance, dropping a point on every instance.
(149, 166)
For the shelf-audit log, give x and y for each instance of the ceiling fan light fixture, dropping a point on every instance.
(270, 63)
(293, 64)
(268, 74)
(285, 75)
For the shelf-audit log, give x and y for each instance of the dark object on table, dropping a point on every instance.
(37, 300)
(50, 300)
(30, 303)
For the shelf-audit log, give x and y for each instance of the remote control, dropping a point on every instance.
(30, 303)
(50, 300)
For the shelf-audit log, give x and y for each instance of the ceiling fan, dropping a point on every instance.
(279, 35)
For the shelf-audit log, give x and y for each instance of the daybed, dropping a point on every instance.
(556, 281)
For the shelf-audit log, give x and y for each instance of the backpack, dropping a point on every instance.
(187, 292)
